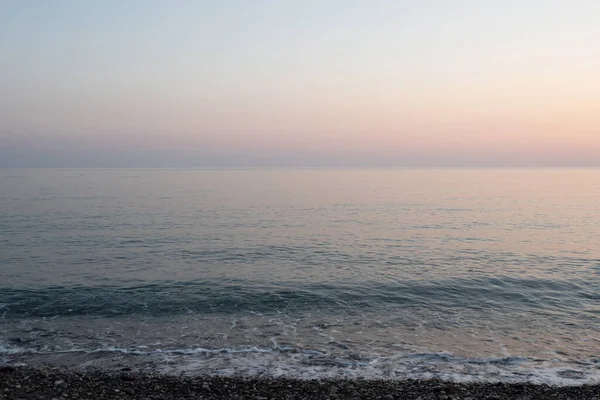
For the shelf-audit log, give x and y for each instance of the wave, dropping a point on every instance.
(294, 362)
(213, 296)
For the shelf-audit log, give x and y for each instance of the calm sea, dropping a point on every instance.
(393, 274)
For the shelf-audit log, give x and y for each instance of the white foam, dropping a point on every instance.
(8, 349)
(292, 362)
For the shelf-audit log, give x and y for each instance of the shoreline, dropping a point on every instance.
(52, 383)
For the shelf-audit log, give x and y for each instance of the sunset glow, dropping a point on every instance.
(307, 83)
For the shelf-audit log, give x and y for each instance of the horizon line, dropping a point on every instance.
(308, 167)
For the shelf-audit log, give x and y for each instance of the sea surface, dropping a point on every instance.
(465, 275)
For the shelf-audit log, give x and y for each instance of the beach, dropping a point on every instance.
(299, 200)
(412, 278)
(50, 383)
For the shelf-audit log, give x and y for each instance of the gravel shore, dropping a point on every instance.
(55, 384)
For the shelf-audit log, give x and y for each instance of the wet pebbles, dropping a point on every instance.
(54, 384)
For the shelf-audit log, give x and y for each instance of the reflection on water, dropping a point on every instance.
(432, 270)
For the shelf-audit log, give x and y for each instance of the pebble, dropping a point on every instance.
(128, 390)
(103, 385)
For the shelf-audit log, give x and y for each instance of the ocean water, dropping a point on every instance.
(467, 275)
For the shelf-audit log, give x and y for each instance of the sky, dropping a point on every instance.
(315, 83)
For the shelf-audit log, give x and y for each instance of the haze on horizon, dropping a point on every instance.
(433, 83)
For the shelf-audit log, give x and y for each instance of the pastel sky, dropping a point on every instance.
(350, 83)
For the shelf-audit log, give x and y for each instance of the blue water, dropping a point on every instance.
(458, 274)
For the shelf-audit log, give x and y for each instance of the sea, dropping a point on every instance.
(462, 274)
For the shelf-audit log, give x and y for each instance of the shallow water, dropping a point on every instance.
(459, 274)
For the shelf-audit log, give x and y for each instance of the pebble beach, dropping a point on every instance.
(54, 384)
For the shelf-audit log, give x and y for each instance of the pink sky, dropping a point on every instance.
(511, 84)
